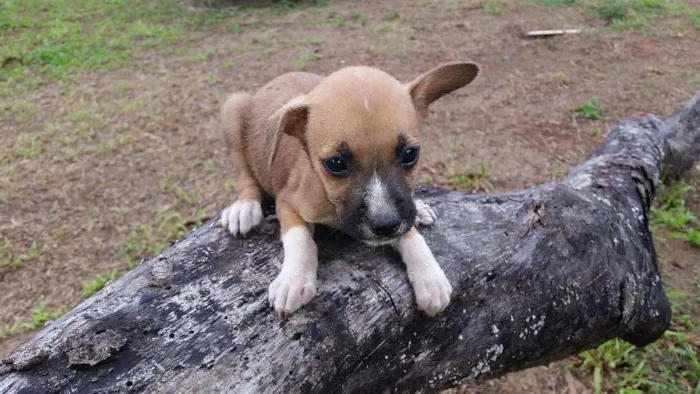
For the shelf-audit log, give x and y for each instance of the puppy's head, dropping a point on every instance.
(361, 130)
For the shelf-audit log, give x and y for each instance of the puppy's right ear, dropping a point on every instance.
(440, 81)
(290, 119)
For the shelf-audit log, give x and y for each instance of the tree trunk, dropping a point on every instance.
(538, 275)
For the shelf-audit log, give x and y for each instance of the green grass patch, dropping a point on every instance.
(23, 111)
(302, 62)
(473, 182)
(147, 240)
(56, 38)
(590, 110)
(669, 365)
(92, 286)
(16, 261)
(493, 7)
(26, 146)
(384, 27)
(40, 315)
(672, 213)
(358, 17)
(557, 3)
(632, 14)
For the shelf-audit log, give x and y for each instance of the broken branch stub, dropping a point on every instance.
(538, 275)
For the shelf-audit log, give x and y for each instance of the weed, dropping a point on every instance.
(672, 211)
(594, 131)
(316, 40)
(590, 110)
(384, 27)
(667, 366)
(358, 17)
(673, 214)
(393, 15)
(23, 110)
(92, 286)
(630, 14)
(40, 315)
(206, 55)
(557, 176)
(26, 146)
(493, 7)
(209, 167)
(557, 3)
(303, 60)
(339, 21)
(471, 181)
(77, 115)
(234, 27)
(612, 10)
(559, 77)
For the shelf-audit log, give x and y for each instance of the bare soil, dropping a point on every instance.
(128, 147)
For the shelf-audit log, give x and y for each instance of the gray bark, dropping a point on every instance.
(538, 275)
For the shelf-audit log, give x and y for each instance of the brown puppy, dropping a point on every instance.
(339, 151)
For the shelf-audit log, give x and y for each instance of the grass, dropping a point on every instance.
(590, 110)
(358, 17)
(472, 182)
(556, 3)
(384, 27)
(15, 259)
(672, 214)
(669, 365)
(302, 62)
(56, 39)
(493, 7)
(26, 146)
(22, 110)
(92, 286)
(39, 316)
(148, 240)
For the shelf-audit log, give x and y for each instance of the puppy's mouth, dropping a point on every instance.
(370, 236)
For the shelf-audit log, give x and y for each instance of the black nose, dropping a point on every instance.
(385, 224)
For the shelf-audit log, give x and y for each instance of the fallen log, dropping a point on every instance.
(538, 275)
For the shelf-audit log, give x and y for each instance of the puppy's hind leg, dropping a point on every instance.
(246, 212)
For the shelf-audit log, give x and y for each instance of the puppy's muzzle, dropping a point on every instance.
(385, 224)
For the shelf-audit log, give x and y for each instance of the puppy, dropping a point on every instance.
(341, 151)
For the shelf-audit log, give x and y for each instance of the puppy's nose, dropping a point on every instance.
(385, 224)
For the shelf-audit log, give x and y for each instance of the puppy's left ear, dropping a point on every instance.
(440, 81)
(290, 119)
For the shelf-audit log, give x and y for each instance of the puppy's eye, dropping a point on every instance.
(409, 157)
(336, 166)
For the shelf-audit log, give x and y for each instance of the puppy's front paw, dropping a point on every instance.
(425, 215)
(291, 291)
(432, 289)
(242, 216)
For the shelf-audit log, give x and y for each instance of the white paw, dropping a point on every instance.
(425, 215)
(432, 289)
(291, 291)
(242, 216)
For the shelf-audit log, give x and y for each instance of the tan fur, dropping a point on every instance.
(279, 137)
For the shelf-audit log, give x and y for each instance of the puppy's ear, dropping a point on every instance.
(290, 119)
(440, 81)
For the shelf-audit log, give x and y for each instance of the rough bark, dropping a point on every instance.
(538, 275)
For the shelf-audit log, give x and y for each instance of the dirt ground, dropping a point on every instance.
(130, 156)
